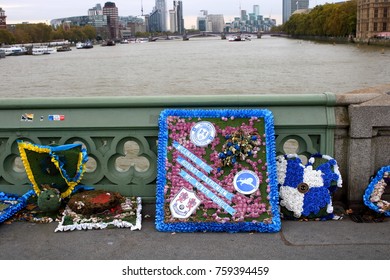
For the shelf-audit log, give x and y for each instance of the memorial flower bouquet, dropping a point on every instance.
(373, 195)
(53, 167)
(306, 190)
(217, 171)
(10, 204)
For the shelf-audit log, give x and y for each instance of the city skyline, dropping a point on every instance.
(33, 11)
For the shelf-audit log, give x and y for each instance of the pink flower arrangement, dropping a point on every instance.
(249, 208)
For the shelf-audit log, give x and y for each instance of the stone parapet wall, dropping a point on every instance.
(362, 138)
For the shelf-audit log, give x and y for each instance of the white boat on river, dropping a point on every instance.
(40, 50)
(14, 50)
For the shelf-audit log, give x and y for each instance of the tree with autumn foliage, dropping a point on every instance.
(6, 37)
(336, 20)
(42, 33)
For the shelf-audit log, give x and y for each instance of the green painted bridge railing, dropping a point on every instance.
(120, 133)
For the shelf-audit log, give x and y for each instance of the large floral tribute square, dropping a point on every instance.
(217, 171)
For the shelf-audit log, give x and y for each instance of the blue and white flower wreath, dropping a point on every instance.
(306, 190)
(12, 204)
(373, 195)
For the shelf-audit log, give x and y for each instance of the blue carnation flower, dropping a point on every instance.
(294, 175)
(314, 200)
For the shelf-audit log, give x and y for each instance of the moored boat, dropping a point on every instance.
(39, 50)
(49, 50)
(2, 53)
(108, 43)
(85, 45)
(88, 45)
(141, 40)
(236, 38)
(64, 48)
(79, 45)
(14, 50)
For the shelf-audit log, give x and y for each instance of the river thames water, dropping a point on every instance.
(200, 66)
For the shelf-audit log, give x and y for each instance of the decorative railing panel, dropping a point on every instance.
(120, 134)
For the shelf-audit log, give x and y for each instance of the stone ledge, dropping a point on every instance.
(365, 118)
(372, 96)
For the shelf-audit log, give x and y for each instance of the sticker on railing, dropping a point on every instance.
(56, 117)
(27, 117)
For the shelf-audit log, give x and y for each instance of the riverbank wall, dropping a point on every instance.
(345, 40)
(121, 134)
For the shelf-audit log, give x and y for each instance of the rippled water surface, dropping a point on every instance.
(200, 66)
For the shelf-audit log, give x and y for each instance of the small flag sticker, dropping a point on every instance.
(56, 117)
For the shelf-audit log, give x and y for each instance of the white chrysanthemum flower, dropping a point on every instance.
(313, 177)
(292, 199)
(281, 164)
(329, 207)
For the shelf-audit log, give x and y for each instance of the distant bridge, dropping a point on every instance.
(212, 34)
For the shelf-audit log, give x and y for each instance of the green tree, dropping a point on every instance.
(37, 33)
(22, 36)
(89, 32)
(76, 34)
(59, 34)
(6, 37)
(142, 34)
(324, 20)
(42, 33)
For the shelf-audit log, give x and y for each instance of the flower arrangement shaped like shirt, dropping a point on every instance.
(306, 190)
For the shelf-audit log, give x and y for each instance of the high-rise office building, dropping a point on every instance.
(244, 16)
(202, 21)
(210, 23)
(96, 17)
(153, 21)
(373, 18)
(95, 11)
(111, 11)
(180, 19)
(256, 10)
(215, 23)
(162, 10)
(3, 23)
(176, 17)
(290, 6)
(172, 20)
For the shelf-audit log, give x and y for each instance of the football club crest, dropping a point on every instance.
(246, 182)
(202, 134)
(184, 204)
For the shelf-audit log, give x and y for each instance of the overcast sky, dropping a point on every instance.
(32, 11)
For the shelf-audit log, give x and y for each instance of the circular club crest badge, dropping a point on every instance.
(202, 134)
(246, 182)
